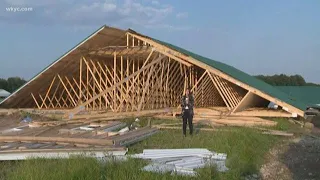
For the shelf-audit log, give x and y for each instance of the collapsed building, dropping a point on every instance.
(122, 71)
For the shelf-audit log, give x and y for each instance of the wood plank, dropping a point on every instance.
(114, 79)
(68, 92)
(225, 92)
(35, 100)
(80, 79)
(46, 96)
(223, 98)
(53, 95)
(229, 89)
(103, 142)
(95, 80)
(145, 87)
(43, 101)
(133, 75)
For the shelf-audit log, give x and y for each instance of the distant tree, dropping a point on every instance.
(284, 80)
(298, 80)
(12, 83)
(3, 84)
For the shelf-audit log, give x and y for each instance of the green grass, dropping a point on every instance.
(246, 149)
(80, 168)
(59, 169)
(283, 124)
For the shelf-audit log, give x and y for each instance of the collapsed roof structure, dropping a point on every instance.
(124, 71)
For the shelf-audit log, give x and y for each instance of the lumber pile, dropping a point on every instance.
(58, 137)
(216, 117)
(235, 121)
(133, 136)
(222, 111)
(263, 112)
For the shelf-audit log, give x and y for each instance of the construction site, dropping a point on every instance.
(81, 101)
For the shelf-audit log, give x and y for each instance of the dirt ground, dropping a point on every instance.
(296, 159)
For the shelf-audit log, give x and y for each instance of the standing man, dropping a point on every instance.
(187, 103)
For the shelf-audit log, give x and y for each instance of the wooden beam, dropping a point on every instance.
(48, 91)
(153, 87)
(145, 87)
(80, 78)
(43, 101)
(134, 81)
(35, 100)
(133, 75)
(127, 83)
(114, 78)
(224, 100)
(189, 59)
(203, 75)
(87, 89)
(54, 94)
(103, 142)
(225, 92)
(74, 91)
(243, 102)
(95, 80)
(78, 86)
(65, 87)
(121, 78)
(229, 89)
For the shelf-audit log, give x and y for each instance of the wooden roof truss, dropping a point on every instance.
(130, 72)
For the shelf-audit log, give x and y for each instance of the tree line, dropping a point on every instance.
(285, 80)
(11, 84)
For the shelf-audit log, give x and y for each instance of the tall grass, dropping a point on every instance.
(245, 149)
(56, 169)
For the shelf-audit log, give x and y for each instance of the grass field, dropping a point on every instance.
(245, 147)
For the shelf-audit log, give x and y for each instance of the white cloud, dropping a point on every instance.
(169, 27)
(182, 15)
(154, 2)
(84, 13)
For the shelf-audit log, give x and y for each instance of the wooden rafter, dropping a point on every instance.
(133, 75)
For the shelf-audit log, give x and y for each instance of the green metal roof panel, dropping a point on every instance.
(242, 77)
(307, 94)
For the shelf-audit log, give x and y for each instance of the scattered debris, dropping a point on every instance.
(135, 124)
(124, 130)
(16, 129)
(182, 161)
(26, 120)
(133, 136)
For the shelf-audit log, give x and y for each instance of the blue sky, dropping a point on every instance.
(258, 37)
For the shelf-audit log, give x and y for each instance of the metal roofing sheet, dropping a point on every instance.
(307, 94)
(241, 76)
